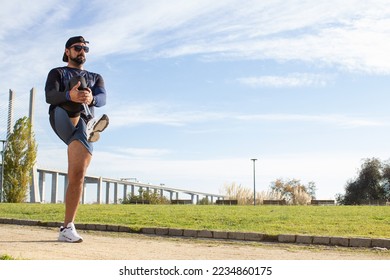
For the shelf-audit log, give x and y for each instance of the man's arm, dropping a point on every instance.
(99, 93)
(54, 93)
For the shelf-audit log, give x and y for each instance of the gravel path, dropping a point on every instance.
(39, 243)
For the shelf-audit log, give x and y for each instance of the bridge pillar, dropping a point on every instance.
(83, 197)
(132, 190)
(107, 192)
(42, 185)
(66, 182)
(54, 187)
(99, 190)
(116, 193)
(124, 191)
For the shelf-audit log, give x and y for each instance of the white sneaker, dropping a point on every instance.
(69, 234)
(95, 126)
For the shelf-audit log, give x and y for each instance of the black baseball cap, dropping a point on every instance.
(71, 41)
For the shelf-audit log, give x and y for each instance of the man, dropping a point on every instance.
(72, 93)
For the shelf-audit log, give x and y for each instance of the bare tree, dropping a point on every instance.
(293, 191)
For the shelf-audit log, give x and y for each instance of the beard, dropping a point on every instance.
(79, 60)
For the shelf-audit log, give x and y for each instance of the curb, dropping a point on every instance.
(221, 235)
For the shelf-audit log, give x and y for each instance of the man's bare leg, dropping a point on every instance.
(78, 162)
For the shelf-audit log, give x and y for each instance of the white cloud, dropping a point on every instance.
(156, 113)
(141, 152)
(169, 115)
(128, 27)
(359, 45)
(352, 35)
(291, 80)
(19, 16)
(340, 120)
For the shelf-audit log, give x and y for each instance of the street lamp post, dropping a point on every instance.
(254, 181)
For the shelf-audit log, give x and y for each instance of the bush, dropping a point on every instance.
(145, 197)
(244, 196)
(204, 201)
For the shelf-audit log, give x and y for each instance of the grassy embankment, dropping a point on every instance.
(346, 221)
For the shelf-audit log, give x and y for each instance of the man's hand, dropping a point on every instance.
(81, 96)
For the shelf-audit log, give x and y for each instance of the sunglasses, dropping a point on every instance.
(78, 48)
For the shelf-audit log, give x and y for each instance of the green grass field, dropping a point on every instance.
(345, 221)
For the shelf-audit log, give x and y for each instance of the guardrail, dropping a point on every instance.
(110, 188)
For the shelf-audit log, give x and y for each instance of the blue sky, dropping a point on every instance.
(196, 88)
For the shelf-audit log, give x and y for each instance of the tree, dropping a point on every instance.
(19, 158)
(386, 178)
(372, 183)
(293, 191)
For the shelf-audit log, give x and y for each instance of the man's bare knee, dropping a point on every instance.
(78, 162)
(78, 156)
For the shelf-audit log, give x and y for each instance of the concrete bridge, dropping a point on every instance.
(50, 187)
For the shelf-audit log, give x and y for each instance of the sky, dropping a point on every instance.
(196, 89)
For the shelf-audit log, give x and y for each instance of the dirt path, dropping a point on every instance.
(38, 243)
